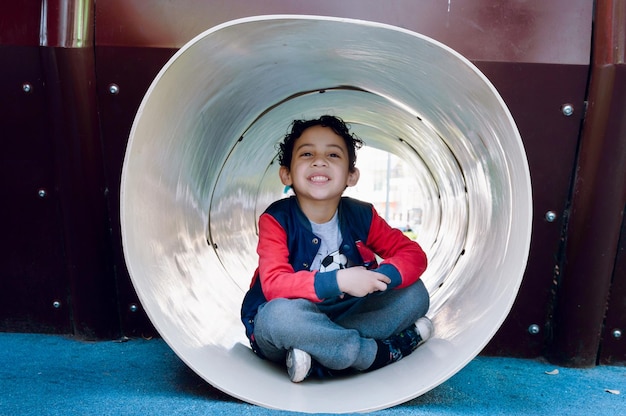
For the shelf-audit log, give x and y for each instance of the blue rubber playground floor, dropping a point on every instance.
(58, 375)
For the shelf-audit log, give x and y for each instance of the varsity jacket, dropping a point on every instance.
(287, 247)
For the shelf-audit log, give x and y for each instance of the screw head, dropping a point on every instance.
(42, 193)
(26, 87)
(567, 110)
(114, 89)
(534, 329)
(133, 307)
(56, 304)
(617, 333)
(551, 216)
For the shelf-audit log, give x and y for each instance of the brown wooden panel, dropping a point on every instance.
(613, 347)
(31, 248)
(73, 130)
(128, 72)
(535, 94)
(556, 31)
(598, 199)
(19, 23)
(57, 245)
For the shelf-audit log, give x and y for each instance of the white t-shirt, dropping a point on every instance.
(328, 257)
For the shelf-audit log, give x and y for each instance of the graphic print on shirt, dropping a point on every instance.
(334, 261)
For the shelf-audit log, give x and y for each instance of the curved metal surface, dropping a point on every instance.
(66, 23)
(198, 172)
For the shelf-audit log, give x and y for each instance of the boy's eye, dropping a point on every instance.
(310, 154)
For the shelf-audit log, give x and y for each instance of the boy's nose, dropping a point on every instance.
(319, 161)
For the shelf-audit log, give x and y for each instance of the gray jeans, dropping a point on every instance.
(348, 341)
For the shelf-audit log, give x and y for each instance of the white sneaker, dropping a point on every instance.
(425, 328)
(298, 364)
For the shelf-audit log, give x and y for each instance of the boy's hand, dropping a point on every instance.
(358, 281)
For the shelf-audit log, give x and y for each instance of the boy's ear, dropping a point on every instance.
(353, 177)
(285, 176)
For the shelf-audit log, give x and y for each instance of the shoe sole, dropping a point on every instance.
(298, 365)
(425, 328)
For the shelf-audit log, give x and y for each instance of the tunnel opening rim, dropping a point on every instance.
(124, 183)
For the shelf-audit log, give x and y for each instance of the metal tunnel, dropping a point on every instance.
(199, 170)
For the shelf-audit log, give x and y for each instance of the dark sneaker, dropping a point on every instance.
(407, 341)
(402, 344)
(298, 364)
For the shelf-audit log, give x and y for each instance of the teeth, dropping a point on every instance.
(319, 179)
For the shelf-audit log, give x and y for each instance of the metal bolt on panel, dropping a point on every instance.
(567, 109)
(551, 216)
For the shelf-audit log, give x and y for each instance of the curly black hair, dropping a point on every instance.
(285, 149)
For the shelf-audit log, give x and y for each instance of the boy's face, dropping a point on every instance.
(319, 168)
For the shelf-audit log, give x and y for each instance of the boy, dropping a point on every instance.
(319, 301)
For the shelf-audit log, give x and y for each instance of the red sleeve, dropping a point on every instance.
(278, 278)
(396, 249)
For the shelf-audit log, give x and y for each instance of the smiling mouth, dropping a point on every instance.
(319, 179)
